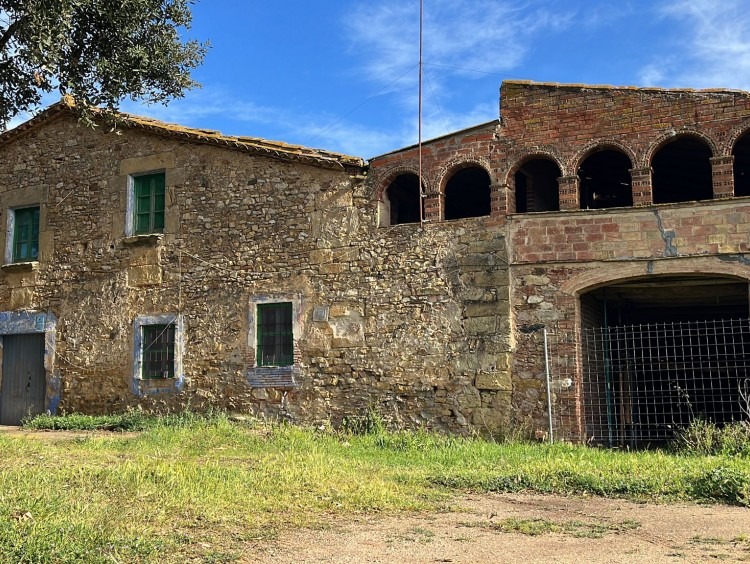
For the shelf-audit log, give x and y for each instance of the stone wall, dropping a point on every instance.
(416, 322)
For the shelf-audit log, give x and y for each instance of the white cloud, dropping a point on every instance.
(711, 44)
(483, 35)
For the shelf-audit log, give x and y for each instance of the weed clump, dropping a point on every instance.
(704, 438)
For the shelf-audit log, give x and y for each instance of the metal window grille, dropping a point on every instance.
(26, 234)
(158, 351)
(148, 192)
(275, 335)
(643, 382)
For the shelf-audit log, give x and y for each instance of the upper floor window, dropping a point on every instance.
(605, 180)
(467, 194)
(24, 225)
(404, 199)
(741, 152)
(536, 186)
(148, 203)
(682, 171)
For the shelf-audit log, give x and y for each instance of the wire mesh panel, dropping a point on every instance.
(642, 382)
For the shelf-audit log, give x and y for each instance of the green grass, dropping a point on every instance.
(201, 487)
(536, 527)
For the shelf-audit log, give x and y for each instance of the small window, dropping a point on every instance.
(148, 203)
(158, 353)
(25, 227)
(275, 334)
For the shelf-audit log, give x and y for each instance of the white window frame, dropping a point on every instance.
(179, 339)
(10, 233)
(130, 202)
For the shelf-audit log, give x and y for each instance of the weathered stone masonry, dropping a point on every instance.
(426, 323)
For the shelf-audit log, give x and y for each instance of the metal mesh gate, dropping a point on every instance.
(642, 382)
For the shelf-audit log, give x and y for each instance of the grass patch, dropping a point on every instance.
(201, 487)
(536, 527)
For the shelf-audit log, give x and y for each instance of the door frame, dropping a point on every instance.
(34, 322)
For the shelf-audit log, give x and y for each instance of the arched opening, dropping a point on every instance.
(741, 154)
(605, 180)
(682, 171)
(404, 199)
(536, 186)
(659, 352)
(467, 194)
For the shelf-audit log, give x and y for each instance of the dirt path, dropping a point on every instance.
(484, 528)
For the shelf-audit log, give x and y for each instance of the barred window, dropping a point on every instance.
(158, 351)
(275, 334)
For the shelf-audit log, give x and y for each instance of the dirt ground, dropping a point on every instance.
(484, 528)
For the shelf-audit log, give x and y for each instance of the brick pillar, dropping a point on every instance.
(433, 207)
(642, 186)
(722, 173)
(502, 200)
(568, 186)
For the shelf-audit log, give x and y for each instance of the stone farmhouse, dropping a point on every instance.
(170, 267)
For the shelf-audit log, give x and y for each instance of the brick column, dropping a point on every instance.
(568, 186)
(642, 186)
(502, 199)
(722, 173)
(433, 207)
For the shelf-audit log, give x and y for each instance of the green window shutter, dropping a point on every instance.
(158, 351)
(26, 234)
(148, 203)
(275, 335)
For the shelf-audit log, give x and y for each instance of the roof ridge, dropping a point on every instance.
(278, 149)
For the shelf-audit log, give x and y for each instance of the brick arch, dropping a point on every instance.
(672, 135)
(606, 274)
(519, 159)
(384, 179)
(734, 135)
(446, 171)
(601, 145)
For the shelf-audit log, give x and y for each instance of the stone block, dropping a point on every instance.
(22, 298)
(321, 256)
(486, 279)
(480, 325)
(146, 275)
(145, 255)
(498, 380)
(348, 330)
(484, 309)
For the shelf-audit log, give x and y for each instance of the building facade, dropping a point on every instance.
(169, 267)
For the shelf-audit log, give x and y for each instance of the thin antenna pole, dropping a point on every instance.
(421, 190)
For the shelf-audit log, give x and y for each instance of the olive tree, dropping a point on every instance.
(99, 52)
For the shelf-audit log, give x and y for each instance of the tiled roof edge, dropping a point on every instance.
(264, 147)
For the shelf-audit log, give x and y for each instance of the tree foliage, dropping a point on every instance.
(100, 52)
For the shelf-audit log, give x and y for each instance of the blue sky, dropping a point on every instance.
(342, 74)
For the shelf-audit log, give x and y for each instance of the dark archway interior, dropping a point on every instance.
(537, 187)
(741, 154)
(467, 194)
(682, 172)
(404, 198)
(659, 352)
(605, 180)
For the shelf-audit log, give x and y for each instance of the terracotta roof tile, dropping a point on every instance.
(255, 145)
